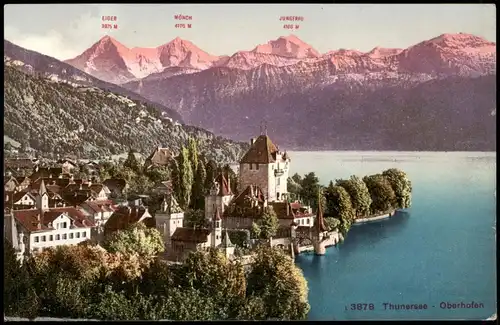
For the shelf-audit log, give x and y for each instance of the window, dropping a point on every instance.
(65, 236)
(217, 237)
(77, 235)
(36, 239)
(84, 234)
(308, 221)
(251, 166)
(257, 166)
(65, 225)
(58, 237)
(51, 238)
(44, 238)
(71, 236)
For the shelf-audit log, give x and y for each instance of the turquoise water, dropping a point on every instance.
(442, 249)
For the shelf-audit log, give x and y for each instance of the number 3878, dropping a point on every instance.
(362, 306)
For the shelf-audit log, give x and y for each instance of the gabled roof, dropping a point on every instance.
(159, 157)
(13, 197)
(252, 191)
(126, 216)
(293, 211)
(193, 235)
(30, 221)
(263, 151)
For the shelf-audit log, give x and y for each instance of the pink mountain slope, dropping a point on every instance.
(280, 52)
(111, 61)
(450, 53)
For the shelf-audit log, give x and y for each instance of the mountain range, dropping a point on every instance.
(53, 108)
(439, 94)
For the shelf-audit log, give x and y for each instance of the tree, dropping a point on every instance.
(401, 185)
(114, 305)
(158, 174)
(232, 178)
(211, 172)
(280, 284)
(193, 153)
(19, 296)
(381, 192)
(359, 194)
(213, 275)
(137, 239)
(140, 184)
(308, 193)
(131, 162)
(332, 223)
(198, 195)
(267, 226)
(294, 187)
(176, 178)
(339, 204)
(185, 177)
(195, 218)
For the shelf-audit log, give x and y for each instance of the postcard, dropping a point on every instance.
(250, 162)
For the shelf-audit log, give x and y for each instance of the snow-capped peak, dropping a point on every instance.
(288, 46)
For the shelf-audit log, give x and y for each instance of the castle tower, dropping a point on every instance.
(169, 218)
(267, 167)
(216, 228)
(219, 196)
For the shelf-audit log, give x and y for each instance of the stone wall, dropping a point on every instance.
(254, 176)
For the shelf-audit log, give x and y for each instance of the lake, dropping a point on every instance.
(441, 250)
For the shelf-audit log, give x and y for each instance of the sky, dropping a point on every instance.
(64, 31)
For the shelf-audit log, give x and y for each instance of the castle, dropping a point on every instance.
(263, 174)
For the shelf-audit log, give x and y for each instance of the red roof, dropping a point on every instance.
(126, 216)
(262, 151)
(32, 220)
(224, 188)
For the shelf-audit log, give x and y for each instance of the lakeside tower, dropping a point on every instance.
(267, 167)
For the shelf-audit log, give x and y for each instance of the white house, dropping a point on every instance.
(169, 218)
(43, 227)
(19, 198)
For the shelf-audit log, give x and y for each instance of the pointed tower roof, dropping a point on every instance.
(262, 151)
(226, 242)
(224, 188)
(42, 190)
(320, 222)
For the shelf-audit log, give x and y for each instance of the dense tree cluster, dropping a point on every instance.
(353, 198)
(119, 283)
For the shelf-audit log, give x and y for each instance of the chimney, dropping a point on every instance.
(252, 141)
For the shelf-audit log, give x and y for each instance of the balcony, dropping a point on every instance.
(278, 172)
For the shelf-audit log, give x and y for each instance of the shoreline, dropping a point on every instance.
(375, 218)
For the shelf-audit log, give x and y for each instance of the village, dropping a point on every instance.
(51, 207)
